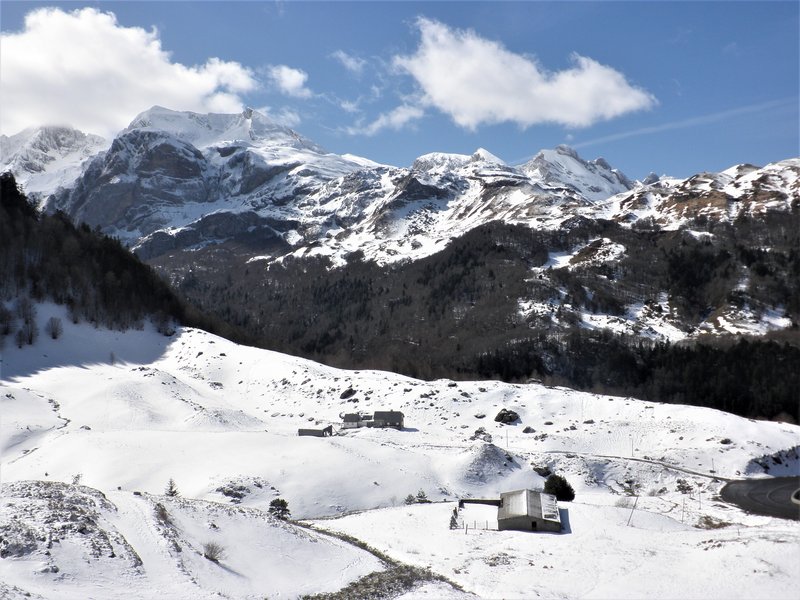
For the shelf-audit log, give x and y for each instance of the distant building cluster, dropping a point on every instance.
(380, 418)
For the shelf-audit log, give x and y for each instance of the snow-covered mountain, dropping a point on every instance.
(97, 422)
(47, 158)
(174, 180)
(170, 170)
(180, 180)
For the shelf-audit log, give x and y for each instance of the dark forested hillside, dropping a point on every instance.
(458, 313)
(46, 257)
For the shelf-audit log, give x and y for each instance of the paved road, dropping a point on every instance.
(771, 497)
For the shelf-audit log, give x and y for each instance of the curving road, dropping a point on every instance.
(771, 497)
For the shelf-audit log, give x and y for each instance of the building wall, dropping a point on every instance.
(526, 524)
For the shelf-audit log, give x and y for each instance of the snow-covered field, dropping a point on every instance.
(96, 423)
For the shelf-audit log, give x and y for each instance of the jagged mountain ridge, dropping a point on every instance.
(178, 180)
(175, 180)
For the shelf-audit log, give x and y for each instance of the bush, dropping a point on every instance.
(213, 551)
(54, 328)
(279, 508)
(560, 488)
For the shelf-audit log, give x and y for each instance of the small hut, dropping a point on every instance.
(527, 510)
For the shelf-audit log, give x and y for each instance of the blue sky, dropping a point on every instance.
(671, 87)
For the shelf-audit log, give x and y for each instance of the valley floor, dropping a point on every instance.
(95, 424)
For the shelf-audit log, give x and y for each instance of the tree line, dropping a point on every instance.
(47, 257)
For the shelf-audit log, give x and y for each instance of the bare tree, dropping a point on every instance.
(54, 328)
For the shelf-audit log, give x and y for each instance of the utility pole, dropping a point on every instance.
(632, 509)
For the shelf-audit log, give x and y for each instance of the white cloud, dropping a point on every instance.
(349, 106)
(82, 68)
(290, 81)
(284, 116)
(478, 81)
(352, 63)
(395, 119)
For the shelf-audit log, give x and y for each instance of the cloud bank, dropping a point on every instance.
(477, 81)
(82, 68)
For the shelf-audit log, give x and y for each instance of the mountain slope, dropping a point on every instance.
(172, 170)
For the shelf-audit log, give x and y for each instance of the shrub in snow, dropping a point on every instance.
(279, 508)
(213, 551)
(410, 499)
(54, 328)
(560, 488)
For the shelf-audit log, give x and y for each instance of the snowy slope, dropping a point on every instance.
(124, 413)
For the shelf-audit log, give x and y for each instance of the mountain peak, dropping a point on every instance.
(483, 155)
(203, 130)
(563, 167)
(567, 151)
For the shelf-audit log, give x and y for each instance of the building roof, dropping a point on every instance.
(351, 418)
(528, 503)
(388, 414)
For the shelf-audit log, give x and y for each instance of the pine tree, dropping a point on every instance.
(172, 490)
(560, 488)
(279, 508)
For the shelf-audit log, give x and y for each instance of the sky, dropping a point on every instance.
(671, 87)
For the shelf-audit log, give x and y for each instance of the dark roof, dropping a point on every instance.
(388, 415)
(352, 418)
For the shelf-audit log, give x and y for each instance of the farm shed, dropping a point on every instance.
(527, 510)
